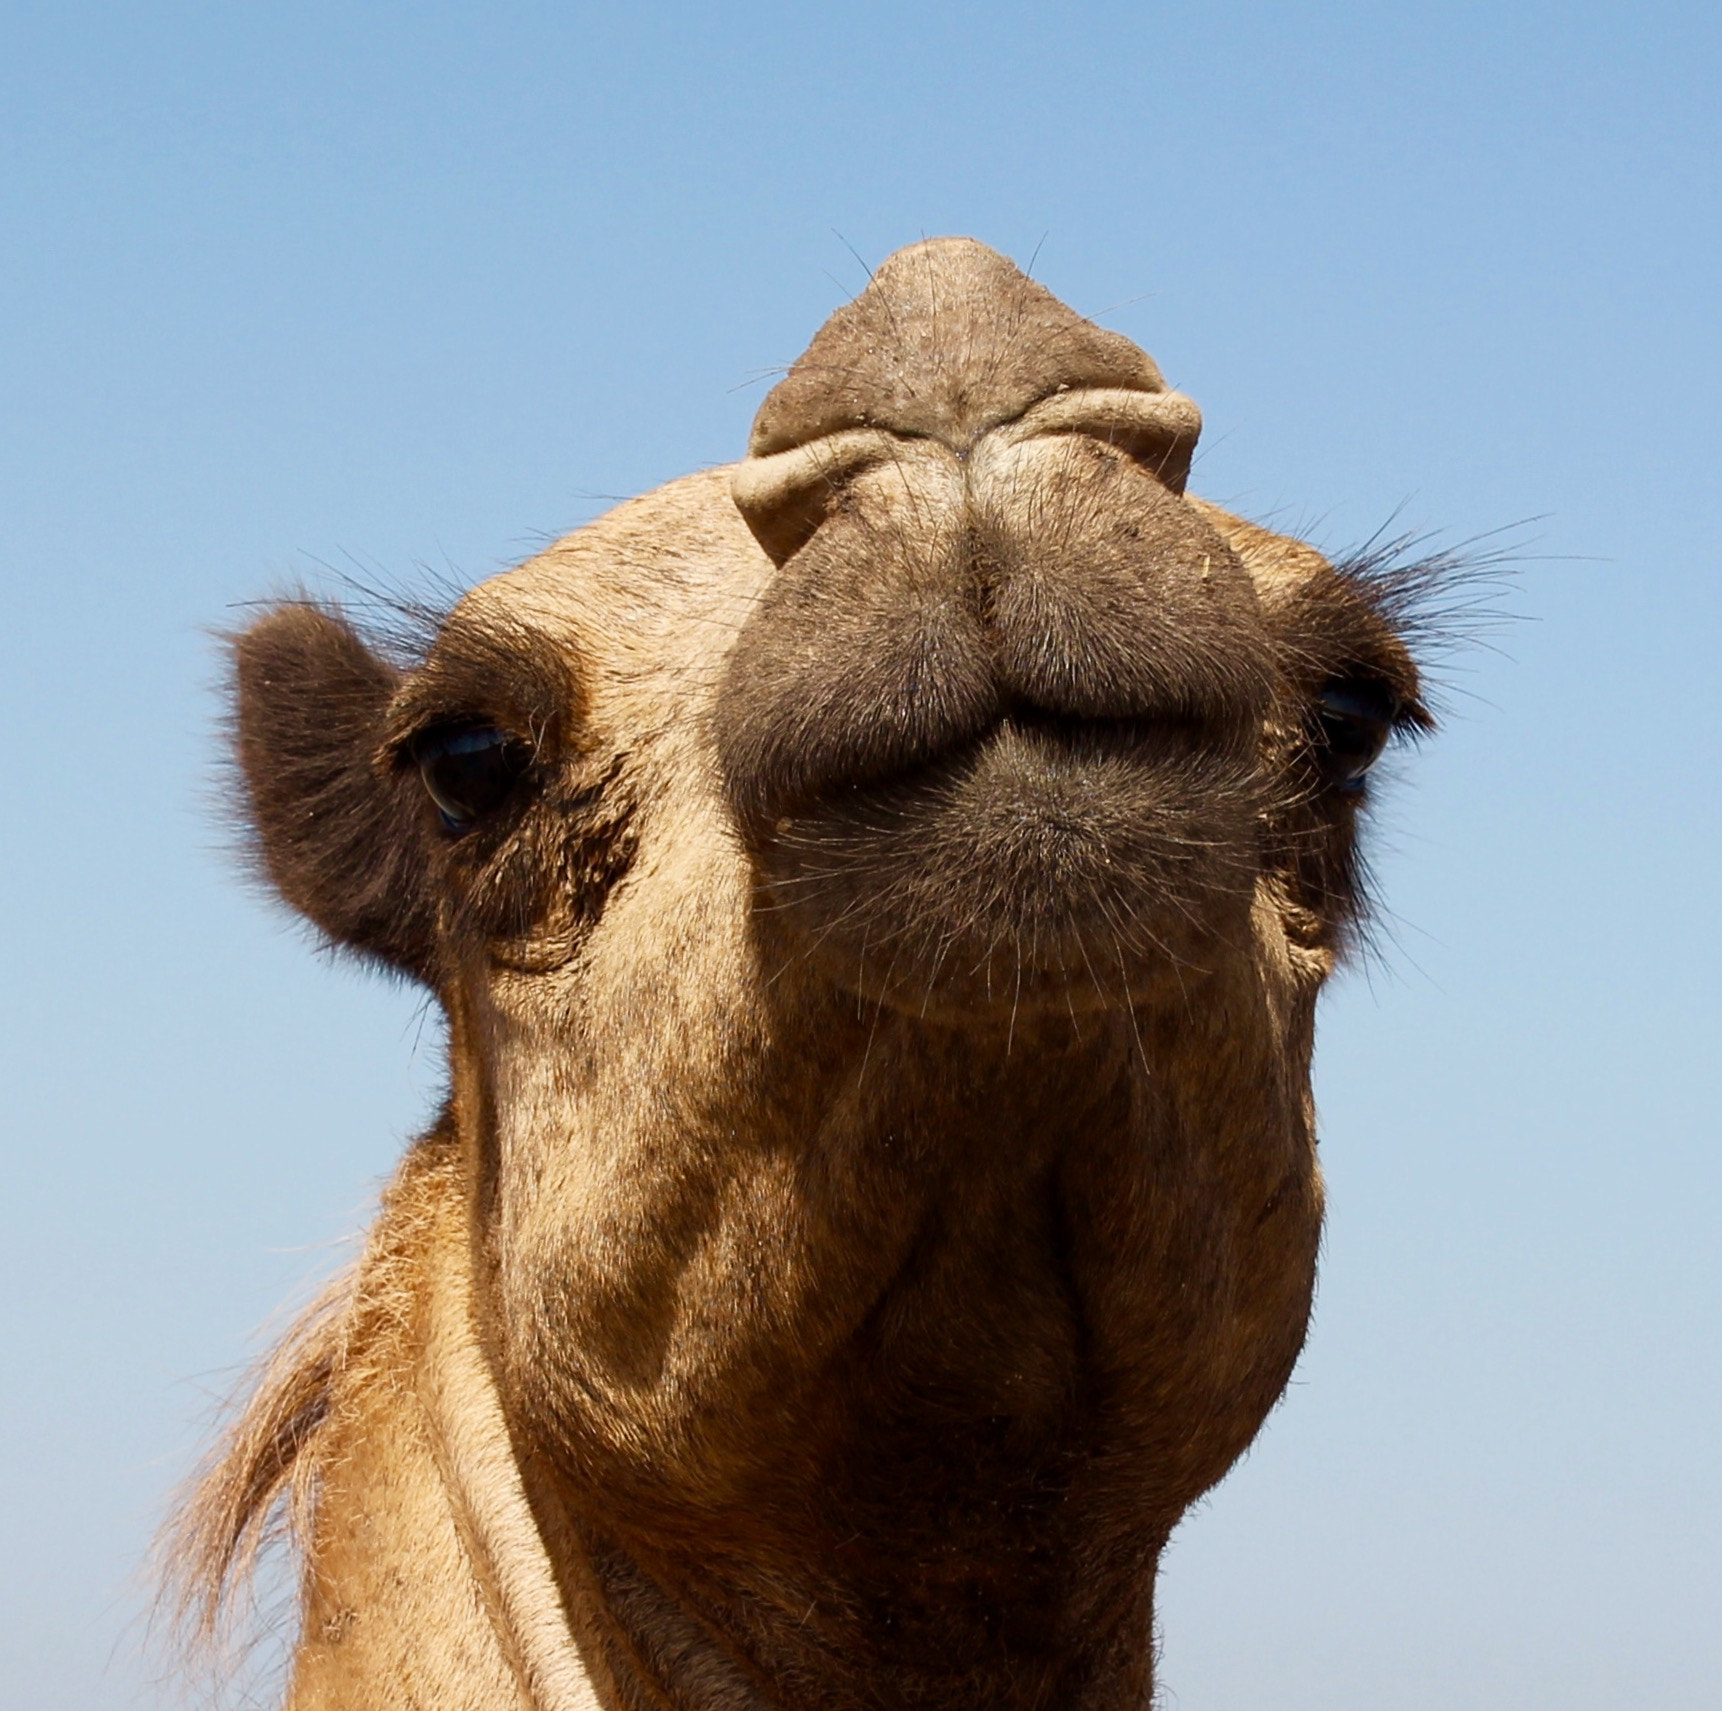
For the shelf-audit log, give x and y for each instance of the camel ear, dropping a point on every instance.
(341, 840)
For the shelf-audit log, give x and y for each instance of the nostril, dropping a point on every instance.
(1158, 430)
(784, 498)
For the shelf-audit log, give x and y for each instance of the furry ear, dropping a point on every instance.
(341, 841)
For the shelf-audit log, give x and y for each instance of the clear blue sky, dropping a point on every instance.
(292, 291)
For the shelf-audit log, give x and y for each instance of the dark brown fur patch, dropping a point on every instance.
(340, 843)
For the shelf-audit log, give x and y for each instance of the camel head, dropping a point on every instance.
(878, 892)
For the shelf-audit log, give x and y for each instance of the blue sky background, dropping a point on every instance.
(292, 293)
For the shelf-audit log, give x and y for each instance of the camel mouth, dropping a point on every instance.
(1043, 746)
(1047, 853)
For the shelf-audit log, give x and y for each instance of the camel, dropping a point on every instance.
(878, 893)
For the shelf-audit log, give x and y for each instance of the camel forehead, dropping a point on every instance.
(635, 573)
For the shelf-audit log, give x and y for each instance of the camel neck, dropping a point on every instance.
(918, 1381)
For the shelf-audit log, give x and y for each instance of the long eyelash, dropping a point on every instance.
(1441, 601)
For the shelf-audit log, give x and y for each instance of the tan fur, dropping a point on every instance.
(878, 1193)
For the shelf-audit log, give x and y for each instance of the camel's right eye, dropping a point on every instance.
(468, 770)
(1352, 721)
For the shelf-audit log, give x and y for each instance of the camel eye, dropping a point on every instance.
(1352, 721)
(468, 770)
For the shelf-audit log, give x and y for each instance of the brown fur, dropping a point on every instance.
(878, 1193)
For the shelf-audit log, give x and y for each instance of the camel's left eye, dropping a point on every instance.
(1352, 721)
(468, 770)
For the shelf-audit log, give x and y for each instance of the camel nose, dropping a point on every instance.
(951, 342)
(948, 341)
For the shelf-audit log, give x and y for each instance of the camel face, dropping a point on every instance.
(1000, 717)
(878, 892)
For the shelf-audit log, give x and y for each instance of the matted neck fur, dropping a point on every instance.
(878, 893)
